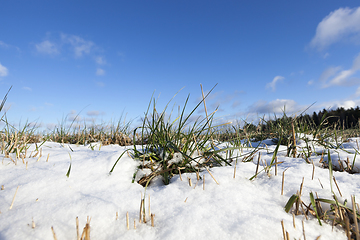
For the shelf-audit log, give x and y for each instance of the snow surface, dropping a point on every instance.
(237, 208)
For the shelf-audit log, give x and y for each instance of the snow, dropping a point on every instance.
(236, 208)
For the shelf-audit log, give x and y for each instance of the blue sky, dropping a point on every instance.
(101, 59)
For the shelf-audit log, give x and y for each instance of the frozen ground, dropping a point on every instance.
(237, 208)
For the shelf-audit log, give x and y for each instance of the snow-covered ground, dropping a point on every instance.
(236, 208)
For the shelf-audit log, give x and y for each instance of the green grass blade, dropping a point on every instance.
(291, 202)
(68, 172)
(112, 169)
(312, 199)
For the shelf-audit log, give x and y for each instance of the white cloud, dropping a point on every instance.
(74, 118)
(329, 72)
(4, 45)
(100, 60)
(341, 78)
(337, 25)
(80, 46)
(47, 47)
(3, 71)
(93, 113)
(27, 88)
(272, 84)
(311, 82)
(341, 104)
(100, 72)
(276, 106)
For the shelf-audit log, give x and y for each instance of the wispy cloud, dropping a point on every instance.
(5, 45)
(47, 47)
(3, 71)
(100, 72)
(100, 60)
(272, 84)
(337, 25)
(93, 113)
(335, 76)
(73, 117)
(276, 106)
(78, 44)
(27, 88)
(78, 47)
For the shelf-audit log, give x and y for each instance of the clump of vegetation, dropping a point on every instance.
(170, 145)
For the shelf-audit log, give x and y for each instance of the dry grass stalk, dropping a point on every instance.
(297, 204)
(12, 160)
(337, 186)
(2, 187)
(86, 232)
(303, 227)
(294, 139)
(33, 223)
(47, 159)
(189, 180)
(144, 213)
(313, 171)
(140, 214)
(235, 168)
(27, 165)
(12, 203)
(116, 216)
(180, 173)
(207, 169)
(203, 182)
(303, 210)
(127, 221)
(294, 220)
(355, 218)
(322, 157)
(54, 235)
(207, 116)
(318, 237)
(257, 165)
(287, 236)
(301, 186)
(152, 219)
(341, 166)
(347, 228)
(186, 199)
(196, 184)
(283, 229)
(134, 224)
(321, 184)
